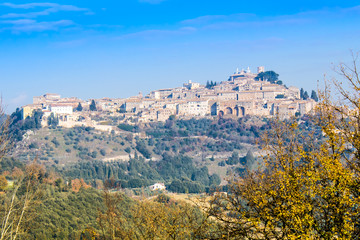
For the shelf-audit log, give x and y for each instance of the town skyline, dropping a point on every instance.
(96, 50)
(245, 93)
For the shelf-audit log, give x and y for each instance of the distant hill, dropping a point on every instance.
(149, 152)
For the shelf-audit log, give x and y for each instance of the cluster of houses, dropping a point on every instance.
(242, 94)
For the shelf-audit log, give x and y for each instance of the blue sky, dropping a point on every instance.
(94, 49)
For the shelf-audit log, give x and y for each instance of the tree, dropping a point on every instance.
(314, 96)
(79, 108)
(4, 132)
(103, 152)
(147, 219)
(112, 222)
(310, 188)
(171, 220)
(302, 194)
(53, 120)
(141, 147)
(269, 76)
(3, 183)
(207, 84)
(37, 116)
(77, 184)
(210, 84)
(19, 204)
(301, 93)
(92, 105)
(306, 95)
(248, 160)
(349, 115)
(234, 159)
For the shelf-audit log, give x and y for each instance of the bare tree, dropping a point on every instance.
(18, 203)
(4, 126)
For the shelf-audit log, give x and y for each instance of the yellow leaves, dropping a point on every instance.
(311, 186)
(153, 220)
(306, 192)
(89, 234)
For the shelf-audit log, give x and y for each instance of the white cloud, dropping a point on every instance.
(19, 21)
(257, 23)
(243, 20)
(28, 5)
(28, 15)
(24, 22)
(48, 5)
(29, 25)
(217, 18)
(50, 8)
(251, 20)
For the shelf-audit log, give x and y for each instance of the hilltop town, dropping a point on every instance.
(244, 93)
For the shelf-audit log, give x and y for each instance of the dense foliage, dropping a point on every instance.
(18, 126)
(269, 76)
(310, 187)
(63, 215)
(210, 84)
(137, 173)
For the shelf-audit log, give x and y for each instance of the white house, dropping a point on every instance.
(157, 186)
(195, 108)
(61, 109)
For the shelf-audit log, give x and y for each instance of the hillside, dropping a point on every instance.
(208, 143)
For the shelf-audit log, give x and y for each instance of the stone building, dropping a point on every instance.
(242, 94)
